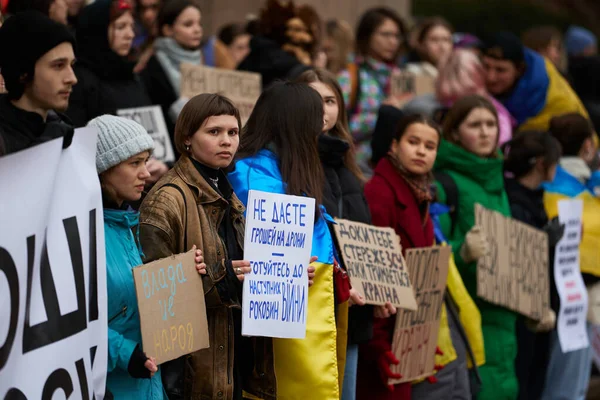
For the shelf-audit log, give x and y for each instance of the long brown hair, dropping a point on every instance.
(460, 111)
(289, 117)
(341, 129)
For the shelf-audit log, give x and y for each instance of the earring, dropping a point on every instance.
(187, 147)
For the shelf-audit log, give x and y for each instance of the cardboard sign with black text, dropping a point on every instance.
(373, 257)
(514, 272)
(416, 332)
(405, 85)
(172, 308)
(243, 88)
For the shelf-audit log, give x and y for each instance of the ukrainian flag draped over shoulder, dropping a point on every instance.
(541, 94)
(305, 368)
(564, 187)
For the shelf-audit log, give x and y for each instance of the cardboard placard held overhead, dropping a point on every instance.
(172, 309)
(373, 257)
(405, 85)
(243, 88)
(153, 120)
(278, 241)
(416, 332)
(514, 273)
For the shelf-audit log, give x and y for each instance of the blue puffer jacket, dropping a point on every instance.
(124, 333)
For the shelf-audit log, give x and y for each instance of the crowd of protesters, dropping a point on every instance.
(510, 123)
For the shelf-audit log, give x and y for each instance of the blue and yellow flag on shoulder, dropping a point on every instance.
(305, 368)
(564, 187)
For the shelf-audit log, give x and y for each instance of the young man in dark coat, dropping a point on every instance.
(36, 63)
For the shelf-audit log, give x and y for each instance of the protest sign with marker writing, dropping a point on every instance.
(571, 322)
(243, 88)
(153, 120)
(172, 309)
(416, 332)
(373, 258)
(278, 241)
(514, 272)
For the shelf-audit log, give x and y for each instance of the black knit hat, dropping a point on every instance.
(504, 46)
(25, 38)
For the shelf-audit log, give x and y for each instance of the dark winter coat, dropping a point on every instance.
(106, 82)
(343, 198)
(20, 129)
(533, 349)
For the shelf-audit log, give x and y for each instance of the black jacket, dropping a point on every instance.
(343, 198)
(161, 92)
(270, 61)
(533, 349)
(20, 129)
(106, 82)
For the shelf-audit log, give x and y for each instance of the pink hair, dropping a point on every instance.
(461, 75)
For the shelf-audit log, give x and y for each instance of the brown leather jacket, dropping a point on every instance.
(182, 210)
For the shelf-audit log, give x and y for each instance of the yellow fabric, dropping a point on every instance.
(469, 315)
(560, 99)
(307, 368)
(445, 341)
(342, 340)
(589, 249)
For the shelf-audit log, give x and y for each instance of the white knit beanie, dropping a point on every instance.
(118, 140)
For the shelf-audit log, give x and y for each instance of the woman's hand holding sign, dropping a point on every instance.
(200, 265)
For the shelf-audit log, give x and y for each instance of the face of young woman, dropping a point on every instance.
(240, 48)
(216, 142)
(126, 181)
(331, 107)
(478, 133)
(121, 34)
(417, 148)
(438, 44)
(385, 41)
(186, 30)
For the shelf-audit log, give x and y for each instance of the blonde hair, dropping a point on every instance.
(340, 33)
(462, 75)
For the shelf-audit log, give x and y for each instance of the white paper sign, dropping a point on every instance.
(53, 327)
(571, 323)
(278, 241)
(153, 120)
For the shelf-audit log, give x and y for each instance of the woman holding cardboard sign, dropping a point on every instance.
(194, 204)
(469, 170)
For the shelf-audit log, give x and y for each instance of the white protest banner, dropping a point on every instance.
(53, 327)
(514, 273)
(243, 88)
(416, 332)
(571, 323)
(153, 120)
(170, 299)
(278, 241)
(376, 267)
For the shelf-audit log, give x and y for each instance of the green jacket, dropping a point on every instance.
(480, 180)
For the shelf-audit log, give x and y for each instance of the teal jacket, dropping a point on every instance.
(481, 180)
(124, 332)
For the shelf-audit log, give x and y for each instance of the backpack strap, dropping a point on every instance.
(451, 191)
(185, 234)
(354, 97)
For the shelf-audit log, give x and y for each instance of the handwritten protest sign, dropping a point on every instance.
(416, 332)
(404, 85)
(172, 309)
(243, 88)
(375, 264)
(153, 120)
(514, 273)
(571, 322)
(278, 241)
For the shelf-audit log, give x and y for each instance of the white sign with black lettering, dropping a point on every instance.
(571, 324)
(53, 329)
(153, 120)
